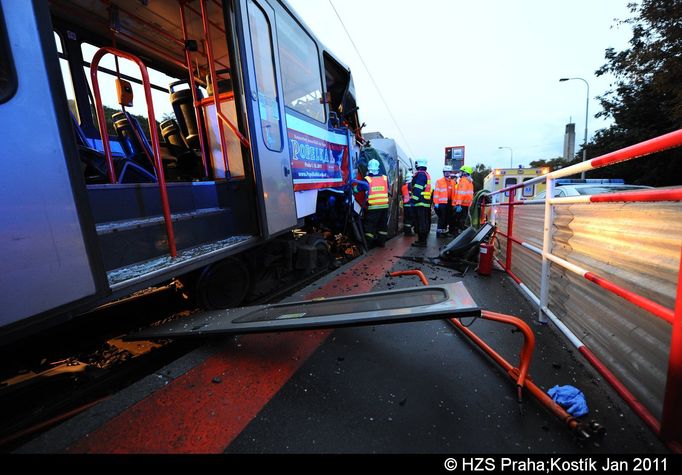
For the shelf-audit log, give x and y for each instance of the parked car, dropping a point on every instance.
(577, 189)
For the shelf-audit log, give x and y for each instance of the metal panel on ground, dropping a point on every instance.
(420, 303)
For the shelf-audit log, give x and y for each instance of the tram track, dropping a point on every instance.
(56, 375)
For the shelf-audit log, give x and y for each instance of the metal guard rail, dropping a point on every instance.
(519, 375)
(669, 428)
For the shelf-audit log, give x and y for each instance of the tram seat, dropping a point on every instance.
(137, 146)
(183, 106)
(94, 164)
(133, 140)
(224, 84)
(170, 130)
(189, 165)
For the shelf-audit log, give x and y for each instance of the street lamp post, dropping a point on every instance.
(587, 108)
(511, 161)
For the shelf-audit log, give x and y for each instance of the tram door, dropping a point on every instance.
(269, 141)
(47, 257)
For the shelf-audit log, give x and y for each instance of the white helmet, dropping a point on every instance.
(447, 169)
(373, 166)
(420, 163)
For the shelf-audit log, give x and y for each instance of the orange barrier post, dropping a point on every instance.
(520, 374)
(416, 272)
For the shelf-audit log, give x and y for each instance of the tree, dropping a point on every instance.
(646, 98)
(480, 172)
(555, 163)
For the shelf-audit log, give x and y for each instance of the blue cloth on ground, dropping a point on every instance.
(570, 398)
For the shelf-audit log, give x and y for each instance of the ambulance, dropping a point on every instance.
(500, 178)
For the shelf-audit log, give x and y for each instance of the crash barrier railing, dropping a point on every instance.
(518, 374)
(153, 134)
(669, 428)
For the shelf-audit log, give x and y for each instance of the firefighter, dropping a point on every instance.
(464, 196)
(408, 209)
(443, 195)
(452, 223)
(421, 200)
(376, 214)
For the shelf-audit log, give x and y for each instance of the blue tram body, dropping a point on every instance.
(241, 164)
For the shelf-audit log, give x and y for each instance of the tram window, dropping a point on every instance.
(300, 63)
(8, 78)
(159, 81)
(66, 77)
(261, 39)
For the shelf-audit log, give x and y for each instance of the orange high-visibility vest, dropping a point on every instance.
(443, 192)
(378, 192)
(405, 191)
(464, 194)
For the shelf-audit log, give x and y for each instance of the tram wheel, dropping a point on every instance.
(223, 284)
(324, 257)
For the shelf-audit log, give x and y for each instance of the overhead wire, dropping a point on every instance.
(369, 73)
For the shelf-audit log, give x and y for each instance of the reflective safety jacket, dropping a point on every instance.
(464, 193)
(444, 191)
(378, 192)
(405, 191)
(421, 189)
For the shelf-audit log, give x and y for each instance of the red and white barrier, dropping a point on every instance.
(670, 426)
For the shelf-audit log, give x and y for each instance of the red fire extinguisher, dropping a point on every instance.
(485, 258)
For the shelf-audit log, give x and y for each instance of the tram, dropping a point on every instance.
(145, 141)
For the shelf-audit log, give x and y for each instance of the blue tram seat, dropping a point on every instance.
(94, 164)
(134, 142)
(179, 162)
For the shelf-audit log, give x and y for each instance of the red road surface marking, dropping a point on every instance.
(193, 414)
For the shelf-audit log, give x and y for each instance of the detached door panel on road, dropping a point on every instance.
(394, 306)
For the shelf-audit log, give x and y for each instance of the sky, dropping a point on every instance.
(483, 74)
